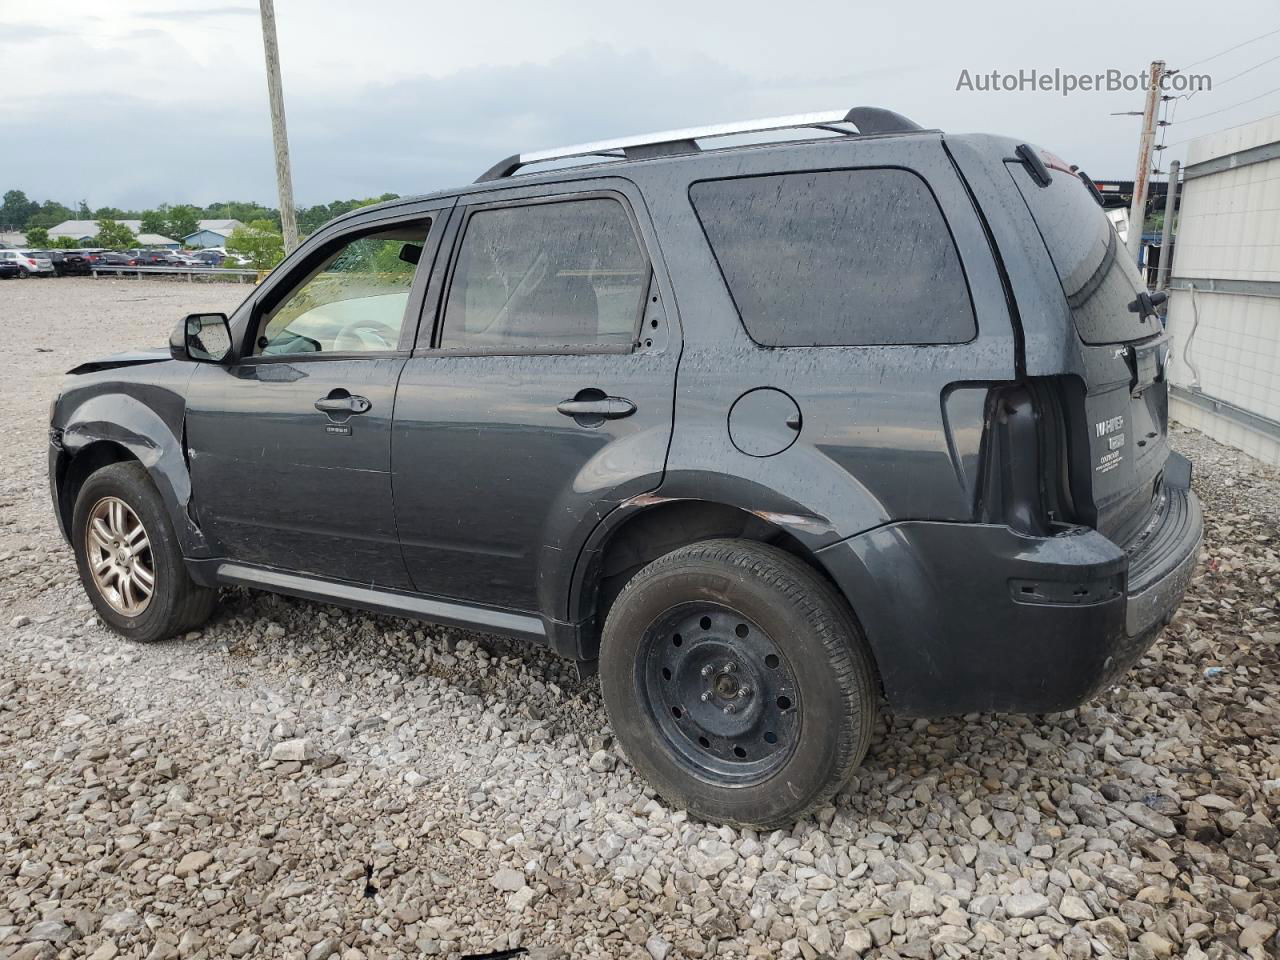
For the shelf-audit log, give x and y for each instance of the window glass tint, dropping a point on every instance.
(353, 303)
(843, 258)
(1098, 276)
(568, 273)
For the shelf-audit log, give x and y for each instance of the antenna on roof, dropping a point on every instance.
(867, 121)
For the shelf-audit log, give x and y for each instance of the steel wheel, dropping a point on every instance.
(118, 551)
(721, 691)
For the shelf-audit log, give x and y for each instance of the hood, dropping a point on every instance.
(131, 358)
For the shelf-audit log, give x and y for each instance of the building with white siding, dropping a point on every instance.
(1224, 309)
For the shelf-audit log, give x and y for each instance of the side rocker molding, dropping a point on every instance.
(396, 603)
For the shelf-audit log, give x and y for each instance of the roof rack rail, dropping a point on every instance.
(868, 121)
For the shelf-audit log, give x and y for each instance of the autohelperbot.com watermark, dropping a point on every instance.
(1066, 82)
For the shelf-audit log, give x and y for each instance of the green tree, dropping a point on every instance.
(38, 237)
(245, 212)
(311, 219)
(82, 210)
(64, 243)
(260, 242)
(183, 220)
(155, 221)
(109, 213)
(113, 235)
(17, 209)
(51, 214)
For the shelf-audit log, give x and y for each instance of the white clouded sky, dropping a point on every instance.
(132, 103)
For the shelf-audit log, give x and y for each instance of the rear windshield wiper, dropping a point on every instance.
(1145, 304)
(1029, 157)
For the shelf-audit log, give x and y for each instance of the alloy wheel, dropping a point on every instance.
(118, 551)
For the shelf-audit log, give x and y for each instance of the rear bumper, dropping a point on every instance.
(969, 618)
(1162, 562)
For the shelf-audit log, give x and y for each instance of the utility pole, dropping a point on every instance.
(1137, 212)
(1166, 233)
(279, 136)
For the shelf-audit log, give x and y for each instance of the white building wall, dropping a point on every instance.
(1226, 356)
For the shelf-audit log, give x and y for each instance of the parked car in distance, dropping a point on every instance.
(8, 269)
(210, 257)
(220, 257)
(113, 258)
(77, 262)
(180, 259)
(65, 262)
(155, 258)
(763, 433)
(55, 261)
(29, 262)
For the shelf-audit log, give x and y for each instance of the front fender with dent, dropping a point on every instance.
(146, 420)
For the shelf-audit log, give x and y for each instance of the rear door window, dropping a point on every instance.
(1098, 276)
(837, 258)
(541, 276)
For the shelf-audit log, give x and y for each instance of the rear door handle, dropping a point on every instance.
(605, 408)
(348, 404)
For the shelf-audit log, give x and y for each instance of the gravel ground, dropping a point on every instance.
(299, 781)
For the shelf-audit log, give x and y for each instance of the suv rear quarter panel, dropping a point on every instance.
(888, 432)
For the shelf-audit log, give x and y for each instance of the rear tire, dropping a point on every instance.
(738, 682)
(23, 273)
(129, 559)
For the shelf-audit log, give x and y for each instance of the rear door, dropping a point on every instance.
(541, 399)
(1126, 401)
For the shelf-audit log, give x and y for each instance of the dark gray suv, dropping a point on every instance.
(766, 431)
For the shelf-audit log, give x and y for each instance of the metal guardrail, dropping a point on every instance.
(191, 273)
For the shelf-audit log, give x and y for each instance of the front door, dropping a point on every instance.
(290, 446)
(544, 397)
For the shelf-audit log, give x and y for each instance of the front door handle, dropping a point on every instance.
(343, 404)
(597, 409)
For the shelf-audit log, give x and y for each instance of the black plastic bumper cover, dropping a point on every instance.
(969, 618)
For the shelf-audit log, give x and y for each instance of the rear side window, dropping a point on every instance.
(1098, 276)
(568, 273)
(838, 258)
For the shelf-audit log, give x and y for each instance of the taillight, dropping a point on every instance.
(30, 261)
(1011, 488)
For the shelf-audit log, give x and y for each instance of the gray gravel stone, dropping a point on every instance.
(439, 760)
(1026, 905)
(299, 750)
(1144, 816)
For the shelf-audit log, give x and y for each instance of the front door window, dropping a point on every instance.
(353, 302)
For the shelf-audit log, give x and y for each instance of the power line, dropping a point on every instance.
(1214, 113)
(1236, 47)
(1243, 123)
(1250, 70)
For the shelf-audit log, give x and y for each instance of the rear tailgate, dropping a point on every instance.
(1126, 400)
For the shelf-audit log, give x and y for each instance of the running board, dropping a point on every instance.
(414, 606)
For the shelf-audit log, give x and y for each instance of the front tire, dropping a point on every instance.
(738, 682)
(129, 560)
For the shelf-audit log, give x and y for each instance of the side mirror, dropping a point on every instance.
(204, 337)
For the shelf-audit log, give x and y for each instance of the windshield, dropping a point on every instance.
(1097, 274)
